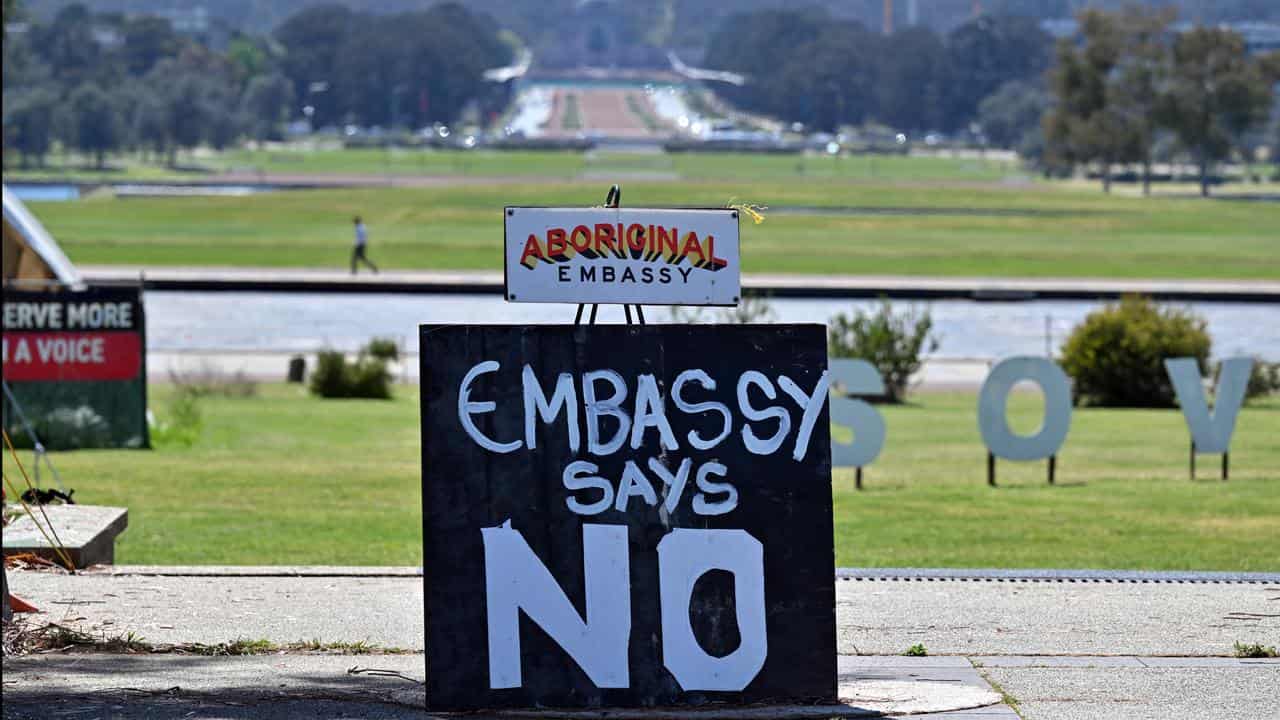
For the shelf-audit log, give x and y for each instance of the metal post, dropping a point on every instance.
(1225, 460)
(1053, 465)
(991, 468)
(857, 477)
(1193, 459)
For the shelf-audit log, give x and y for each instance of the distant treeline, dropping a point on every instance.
(685, 23)
(807, 66)
(105, 82)
(1126, 89)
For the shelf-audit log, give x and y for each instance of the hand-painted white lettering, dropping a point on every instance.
(515, 580)
(701, 505)
(611, 406)
(634, 483)
(774, 412)
(581, 475)
(466, 409)
(535, 402)
(674, 483)
(993, 400)
(683, 557)
(706, 382)
(1211, 431)
(810, 404)
(856, 377)
(650, 413)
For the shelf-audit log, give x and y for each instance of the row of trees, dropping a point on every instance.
(409, 68)
(102, 83)
(1127, 81)
(806, 66)
(105, 82)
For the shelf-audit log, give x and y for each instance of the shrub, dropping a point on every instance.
(892, 342)
(382, 349)
(334, 377)
(209, 379)
(1116, 356)
(182, 421)
(369, 379)
(330, 376)
(1264, 379)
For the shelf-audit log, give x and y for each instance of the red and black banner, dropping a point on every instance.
(76, 363)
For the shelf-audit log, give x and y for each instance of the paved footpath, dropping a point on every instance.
(1062, 650)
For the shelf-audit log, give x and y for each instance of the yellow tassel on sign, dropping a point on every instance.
(756, 212)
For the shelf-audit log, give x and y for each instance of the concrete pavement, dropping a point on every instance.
(1063, 649)
(874, 616)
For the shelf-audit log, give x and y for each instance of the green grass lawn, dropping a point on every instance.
(971, 229)
(565, 165)
(284, 478)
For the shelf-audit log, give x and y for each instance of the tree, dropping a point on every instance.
(147, 41)
(1269, 64)
(69, 46)
(909, 85)
(95, 122)
(984, 54)
(1215, 95)
(832, 77)
(266, 104)
(312, 40)
(1085, 124)
(150, 122)
(1140, 78)
(758, 45)
(1012, 113)
(28, 123)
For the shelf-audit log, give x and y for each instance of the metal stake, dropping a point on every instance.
(991, 469)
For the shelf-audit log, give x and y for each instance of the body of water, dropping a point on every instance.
(44, 193)
(306, 322)
(65, 191)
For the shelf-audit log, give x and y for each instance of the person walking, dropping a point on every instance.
(362, 242)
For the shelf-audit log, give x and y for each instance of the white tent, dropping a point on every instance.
(31, 255)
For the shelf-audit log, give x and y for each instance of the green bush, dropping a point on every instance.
(181, 423)
(330, 376)
(1264, 379)
(1116, 356)
(334, 377)
(383, 349)
(369, 379)
(892, 342)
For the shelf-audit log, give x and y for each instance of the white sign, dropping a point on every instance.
(626, 256)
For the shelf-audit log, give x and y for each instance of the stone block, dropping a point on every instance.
(87, 532)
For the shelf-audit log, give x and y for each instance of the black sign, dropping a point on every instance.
(626, 515)
(76, 362)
